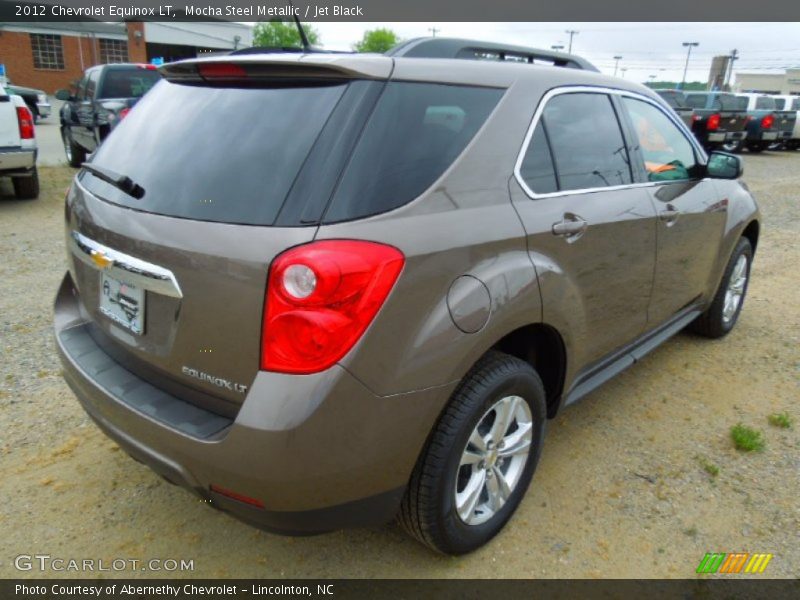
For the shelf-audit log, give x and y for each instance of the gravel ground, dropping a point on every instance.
(622, 489)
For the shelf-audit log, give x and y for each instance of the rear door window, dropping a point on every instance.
(415, 133)
(586, 141)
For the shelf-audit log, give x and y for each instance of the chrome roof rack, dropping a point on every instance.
(437, 47)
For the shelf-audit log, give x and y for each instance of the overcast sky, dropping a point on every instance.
(647, 48)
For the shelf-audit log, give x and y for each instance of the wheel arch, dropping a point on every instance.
(751, 232)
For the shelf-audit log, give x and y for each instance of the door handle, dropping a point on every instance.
(572, 226)
(669, 215)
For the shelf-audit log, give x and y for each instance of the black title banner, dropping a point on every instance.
(395, 10)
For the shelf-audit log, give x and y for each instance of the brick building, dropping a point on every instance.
(49, 56)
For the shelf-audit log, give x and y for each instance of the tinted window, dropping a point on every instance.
(674, 99)
(537, 169)
(765, 103)
(731, 102)
(215, 154)
(415, 132)
(91, 84)
(796, 104)
(696, 100)
(667, 154)
(586, 141)
(132, 82)
(780, 103)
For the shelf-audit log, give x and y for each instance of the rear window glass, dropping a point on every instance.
(415, 133)
(696, 100)
(796, 104)
(674, 99)
(731, 102)
(214, 154)
(765, 103)
(134, 82)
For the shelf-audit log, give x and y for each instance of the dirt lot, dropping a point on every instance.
(625, 487)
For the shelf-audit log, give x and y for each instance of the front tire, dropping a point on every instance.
(720, 317)
(76, 155)
(480, 458)
(27, 188)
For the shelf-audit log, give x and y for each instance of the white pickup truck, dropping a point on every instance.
(18, 145)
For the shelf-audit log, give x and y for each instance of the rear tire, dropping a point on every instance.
(76, 155)
(27, 188)
(721, 316)
(757, 147)
(732, 146)
(473, 471)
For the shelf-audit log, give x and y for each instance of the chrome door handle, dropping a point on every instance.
(572, 225)
(669, 215)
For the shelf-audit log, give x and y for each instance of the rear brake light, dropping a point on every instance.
(321, 297)
(713, 122)
(221, 71)
(25, 118)
(767, 121)
(147, 66)
(124, 113)
(695, 117)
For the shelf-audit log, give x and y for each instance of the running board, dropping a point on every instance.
(631, 355)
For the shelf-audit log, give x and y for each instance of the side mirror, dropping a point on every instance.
(63, 95)
(722, 165)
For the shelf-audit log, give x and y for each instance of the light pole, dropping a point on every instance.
(616, 64)
(688, 45)
(433, 31)
(652, 78)
(557, 47)
(622, 70)
(571, 32)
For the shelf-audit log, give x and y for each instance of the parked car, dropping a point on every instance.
(18, 145)
(324, 290)
(677, 102)
(767, 125)
(36, 100)
(719, 120)
(792, 104)
(97, 102)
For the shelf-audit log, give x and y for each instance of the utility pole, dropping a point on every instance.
(688, 45)
(557, 47)
(433, 31)
(571, 32)
(623, 69)
(616, 64)
(729, 75)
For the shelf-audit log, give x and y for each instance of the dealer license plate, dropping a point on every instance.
(122, 302)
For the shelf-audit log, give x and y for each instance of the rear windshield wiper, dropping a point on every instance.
(122, 182)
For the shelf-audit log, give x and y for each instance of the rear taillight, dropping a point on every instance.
(25, 119)
(124, 113)
(321, 297)
(695, 118)
(713, 122)
(767, 122)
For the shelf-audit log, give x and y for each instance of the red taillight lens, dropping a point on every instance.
(321, 297)
(695, 118)
(221, 71)
(767, 122)
(713, 122)
(25, 118)
(124, 113)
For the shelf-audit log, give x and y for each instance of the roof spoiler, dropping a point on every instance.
(437, 47)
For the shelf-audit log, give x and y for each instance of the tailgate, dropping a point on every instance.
(9, 126)
(785, 120)
(732, 121)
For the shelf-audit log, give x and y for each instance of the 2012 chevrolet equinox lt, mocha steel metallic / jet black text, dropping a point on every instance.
(322, 290)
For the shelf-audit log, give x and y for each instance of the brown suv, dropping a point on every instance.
(324, 290)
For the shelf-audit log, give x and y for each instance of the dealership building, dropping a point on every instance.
(50, 56)
(787, 82)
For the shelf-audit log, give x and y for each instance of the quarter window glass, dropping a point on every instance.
(764, 103)
(780, 103)
(586, 141)
(667, 154)
(537, 169)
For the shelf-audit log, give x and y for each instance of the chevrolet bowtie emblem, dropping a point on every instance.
(101, 260)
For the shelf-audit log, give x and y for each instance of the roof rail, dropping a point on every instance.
(283, 50)
(438, 47)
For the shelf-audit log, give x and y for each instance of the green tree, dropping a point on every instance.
(277, 34)
(377, 40)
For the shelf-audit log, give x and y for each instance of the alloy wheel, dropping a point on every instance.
(735, 291)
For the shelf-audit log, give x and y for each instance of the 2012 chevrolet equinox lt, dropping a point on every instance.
(325, 290)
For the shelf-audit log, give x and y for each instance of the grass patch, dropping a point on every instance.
(782, 420)
(747, 439)
(708, 466)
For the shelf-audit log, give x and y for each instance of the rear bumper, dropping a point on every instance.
(726, 136)
(317, 452)
(44, 109)
(17, 159)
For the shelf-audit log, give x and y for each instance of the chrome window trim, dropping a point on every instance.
(572, 89)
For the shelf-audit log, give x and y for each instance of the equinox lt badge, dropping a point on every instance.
(217, 381)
